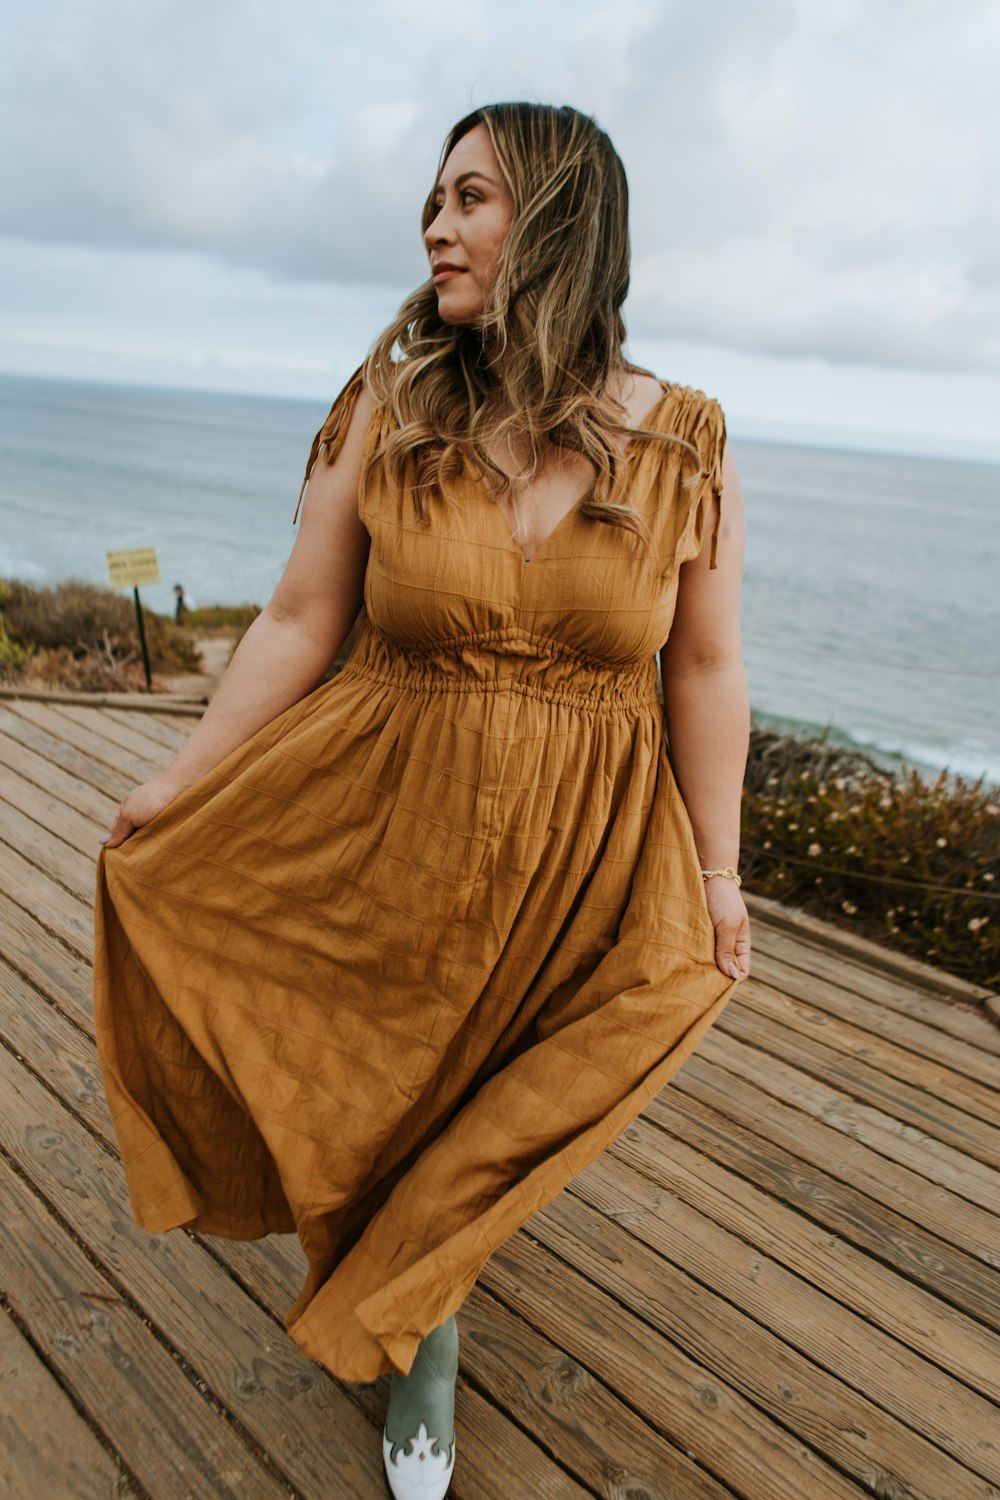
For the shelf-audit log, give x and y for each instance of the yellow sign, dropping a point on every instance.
(137, 566)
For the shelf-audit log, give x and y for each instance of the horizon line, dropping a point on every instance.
(796, 433)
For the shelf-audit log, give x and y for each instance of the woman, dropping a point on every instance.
(388, 960)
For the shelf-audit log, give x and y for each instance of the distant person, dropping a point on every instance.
(387, 961)
(183, 603)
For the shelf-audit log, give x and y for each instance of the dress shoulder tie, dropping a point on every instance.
(330, 438)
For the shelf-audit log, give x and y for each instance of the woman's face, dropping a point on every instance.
(474, 211)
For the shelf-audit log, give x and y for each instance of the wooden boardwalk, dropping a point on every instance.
(780, 1283)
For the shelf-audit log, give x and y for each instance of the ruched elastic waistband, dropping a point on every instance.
(506, 661)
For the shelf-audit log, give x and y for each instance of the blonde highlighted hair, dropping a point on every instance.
(540, 358)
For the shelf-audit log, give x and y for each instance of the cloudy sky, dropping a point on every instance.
(225, 194)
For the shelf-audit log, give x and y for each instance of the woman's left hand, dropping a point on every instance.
(731, 921)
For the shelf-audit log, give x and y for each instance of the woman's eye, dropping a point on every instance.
(465, 196)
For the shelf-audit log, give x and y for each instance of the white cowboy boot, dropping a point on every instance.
(418, 1442)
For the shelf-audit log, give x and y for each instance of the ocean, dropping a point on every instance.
(871, 597)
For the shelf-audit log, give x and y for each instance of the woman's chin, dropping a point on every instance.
(456, 311)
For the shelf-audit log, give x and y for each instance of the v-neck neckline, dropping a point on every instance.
(567, 515)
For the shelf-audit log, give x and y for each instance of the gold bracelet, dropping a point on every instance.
(728, 872)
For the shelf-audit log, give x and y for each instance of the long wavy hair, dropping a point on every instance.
(539, 359)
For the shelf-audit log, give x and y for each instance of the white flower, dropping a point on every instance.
(814, 849)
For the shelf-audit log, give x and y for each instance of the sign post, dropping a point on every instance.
(138, 565)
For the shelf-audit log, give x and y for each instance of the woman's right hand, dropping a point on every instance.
(140, 807)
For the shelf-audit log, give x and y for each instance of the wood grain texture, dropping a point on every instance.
(46, 1446)
(781, 1280)
(111, 1363)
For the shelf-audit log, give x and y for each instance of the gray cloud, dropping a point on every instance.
(807, 178)
(824, 186)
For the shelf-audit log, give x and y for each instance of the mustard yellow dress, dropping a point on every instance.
(401, 965)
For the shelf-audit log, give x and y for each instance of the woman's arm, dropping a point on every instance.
(708, 712)
(290, 645)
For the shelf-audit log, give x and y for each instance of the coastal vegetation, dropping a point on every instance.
(80, 636)
(909, 863)
(222, 619)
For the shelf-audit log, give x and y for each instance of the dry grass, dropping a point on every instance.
(77, 635)
(223, 619)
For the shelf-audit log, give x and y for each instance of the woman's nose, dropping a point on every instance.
(440, 231)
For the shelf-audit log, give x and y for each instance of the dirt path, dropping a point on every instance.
(215, 653)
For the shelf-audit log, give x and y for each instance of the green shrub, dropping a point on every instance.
(911, 864)
(13, 656)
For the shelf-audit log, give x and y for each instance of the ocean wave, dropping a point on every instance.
(968, 759)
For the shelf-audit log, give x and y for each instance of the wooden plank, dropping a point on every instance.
(847, 1428)
(871, 1015)
(116, 736)
(49, 812)
(838, 1307)
(66, 866)
(938, 1163)
(979, 1096)
(963, 1017)
(56, 1049)
(65, 789)
(283, 1403)
(40, 897)
(135, 768)
(46, 1447)
(169, 704)
(61, 757)
(166, 734)
(836, 1206)
(116, 1369)
(678, 1396)
(552, 1401)
(955, 1220)
(596, 1434)
(918, 1107)
(62, 976)
(495, 1457)
(272, 1270)
(183, 723)
(829, 937)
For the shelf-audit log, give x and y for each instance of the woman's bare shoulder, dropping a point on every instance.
(640, 394)
(637, 391)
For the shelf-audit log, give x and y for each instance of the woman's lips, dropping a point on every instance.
(447, 271)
